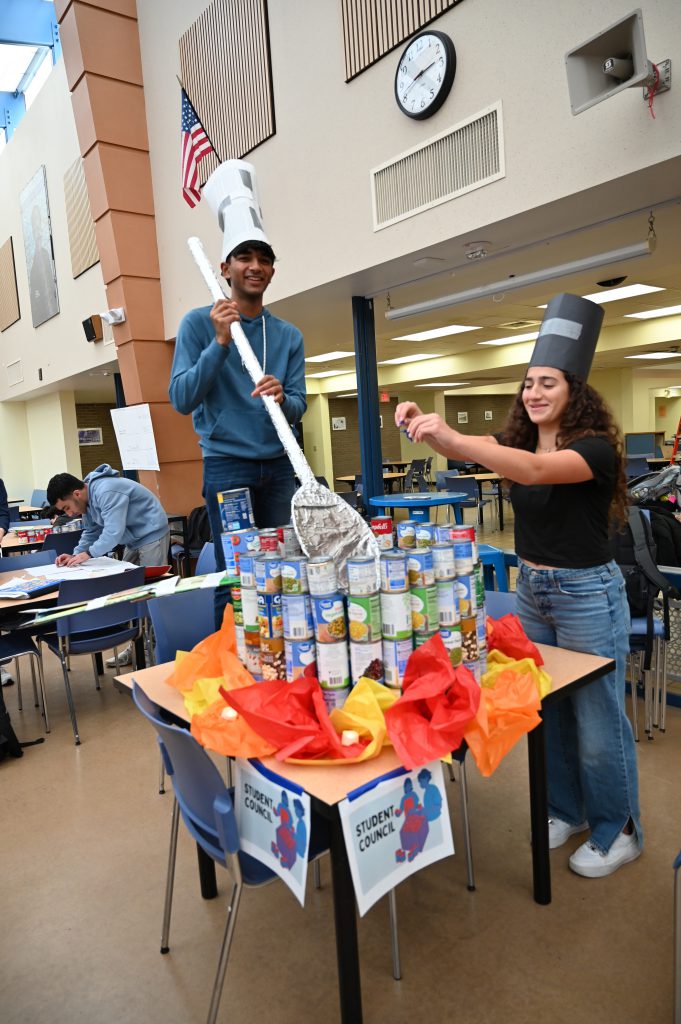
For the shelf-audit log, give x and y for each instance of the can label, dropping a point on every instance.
(272, 658)
(466, 533)
(443, 534)
(335, 698)
(267, 572)
(424, 534)
(321, 576)
(301, 659)
(246, 570)
(420, 568)
(249, 607)
(394, 576)
(443, 561)
(329, 619)
(362, 576)
(229, 555)
(469, 639)
(451, 638)
(447, 603)
(294, 575)
(253, 655)
(479, 573)
(238, 611)
(270, 621)
(465, 588)
(240, 644)
(366, 661)
(236, 510)
(424, 614)
(481, 628)
(364, 617)
(333, 668)
(269, 541)
(422, 638)
(288, 542)
(406, 533)
(396, 616)
(245, 542)
(463, 557)
(396, 654)
(382, 529)
(297, 616)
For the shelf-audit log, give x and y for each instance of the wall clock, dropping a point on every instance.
(425, 74)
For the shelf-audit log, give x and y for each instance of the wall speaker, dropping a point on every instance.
(607, 63)
(93, 328)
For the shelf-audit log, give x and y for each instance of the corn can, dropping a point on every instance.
(364, 618)
(465, 588)
(424, 613)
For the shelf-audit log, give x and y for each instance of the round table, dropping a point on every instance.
(421, 502)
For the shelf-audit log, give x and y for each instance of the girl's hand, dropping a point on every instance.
(405, 413)
(431, 429)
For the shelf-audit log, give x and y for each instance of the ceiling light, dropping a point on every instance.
(411, 359)
(445, 384)
(656, 355)
(511, 340)
(649, 314)
(327, 357)
(350, 394)
(437, 332)
(629, 252)
(328, 373)
(629, 291)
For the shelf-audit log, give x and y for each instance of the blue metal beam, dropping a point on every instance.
(367, 396)
(30, 21)
(12, 109)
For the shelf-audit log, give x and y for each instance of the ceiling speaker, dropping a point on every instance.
(607, 63)
(93, 328)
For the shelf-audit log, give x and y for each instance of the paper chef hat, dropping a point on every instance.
(232, 194)
(568, 335)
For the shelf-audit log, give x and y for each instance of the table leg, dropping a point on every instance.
(347, 950)
(500, 505)
(209, 888)
(539, 815)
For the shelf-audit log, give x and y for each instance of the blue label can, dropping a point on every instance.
(301, 659)
(236, 510)
(297, 615)
(396, 654)
(269, 616)
(420, 568)
(329, 619)
(394, 578)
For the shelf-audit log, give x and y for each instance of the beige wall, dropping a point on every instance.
(53, 436)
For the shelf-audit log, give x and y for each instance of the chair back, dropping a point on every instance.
(181, 621)
(441, 481)
(358, 486)
(204, 800)
(408, 482)
(38, 498)
(636, 467)
(499, 603)
(14, 514)
(120, 614)
(463, 485)
(62, 543)
(11, 562)
(206, 563)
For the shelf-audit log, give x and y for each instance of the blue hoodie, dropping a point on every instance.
(209, 380)
(119, 511)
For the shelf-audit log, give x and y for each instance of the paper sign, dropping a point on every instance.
(135, 437)
(273, 818)
(394, 829)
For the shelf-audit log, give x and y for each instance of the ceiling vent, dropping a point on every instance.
(520, 325)
(457, 161)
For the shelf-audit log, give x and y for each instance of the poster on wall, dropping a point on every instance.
(35, 222)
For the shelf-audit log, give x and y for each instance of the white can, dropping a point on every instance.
(333, 667)
(362, 576)
(321, 576)
(396, 615)
(249, 607)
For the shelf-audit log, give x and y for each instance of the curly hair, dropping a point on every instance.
(586, 415)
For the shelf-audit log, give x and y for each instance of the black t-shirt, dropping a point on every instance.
(566, 525)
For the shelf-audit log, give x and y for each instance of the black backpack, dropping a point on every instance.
(635, 552)
(198, 528)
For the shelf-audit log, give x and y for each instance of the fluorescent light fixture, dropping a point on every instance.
(650, 314)
(627, 291)
(412, 359)
(437, 332)
(445, 384)
(509, 284)
(512, 339)
(327, 358)
(329, 373)
(349, 394)
(656, 355)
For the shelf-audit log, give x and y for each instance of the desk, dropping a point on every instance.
(421, 502)
(16, 605)
(329, 785)
(388, 478)
(12, 544)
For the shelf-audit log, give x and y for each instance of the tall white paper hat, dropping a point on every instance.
(232, 194)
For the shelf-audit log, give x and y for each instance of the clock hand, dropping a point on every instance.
(415, 80)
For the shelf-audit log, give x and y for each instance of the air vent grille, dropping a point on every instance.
(459, 160)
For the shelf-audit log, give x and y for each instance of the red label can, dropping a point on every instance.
(382, 528)
(269, 540)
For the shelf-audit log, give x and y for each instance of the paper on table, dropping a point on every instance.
(103, 566)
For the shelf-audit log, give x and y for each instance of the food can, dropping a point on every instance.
(406, 533)
(288, 541)
(237, 607)
(229, 554)
(464, 559)
(294, 575)
(270, 619)
(481, 628)
(236, 510)
(321, 575)
(240, 644)
(443, 533)
(301, 659)
(451, 638)
(335, 698)
(465, 533)
(393, 568)
(328, 613)
(443, 561)
(469, 638)
(362, 576)
(272, 658)
(249, 607)
(269, 540)
(479, 573)
(482, 662)
(366, 660)
(267, 572)
(382, 529)
(333, 668)
(364, 618)
(252, 653)
(465, 588)
(424, 534)
(245, 542)
(447, 603)
(420, 568)
(474, 668)
(396, 654)
(424, 614)
(396, 615)
(297, 616)
(422, 638)
(246, 570)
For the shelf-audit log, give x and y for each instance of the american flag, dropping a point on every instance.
(195, 146)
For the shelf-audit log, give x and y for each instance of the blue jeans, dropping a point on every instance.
(590, 751)
(272, 485)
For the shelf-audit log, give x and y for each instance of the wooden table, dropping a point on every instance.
(388, 478)
(16, 605)
(329, 785)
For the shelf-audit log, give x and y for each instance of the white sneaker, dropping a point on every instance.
(124, 658)
(591, 863)
(5, 678)
(560, 831)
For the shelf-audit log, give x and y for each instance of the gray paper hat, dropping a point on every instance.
(232, 194)
(568, 335)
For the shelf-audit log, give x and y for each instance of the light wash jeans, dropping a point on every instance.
(590, 751)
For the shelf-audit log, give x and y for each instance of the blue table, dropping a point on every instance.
(421, 502)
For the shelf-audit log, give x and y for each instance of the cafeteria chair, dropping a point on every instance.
(14, 514)
(95, 631)
(354, 499)
(39, 498)
(10, 563)
(636, 466)
(206, 563)
(181, 621)
(62, 543)
(207, 809)
(19, 644)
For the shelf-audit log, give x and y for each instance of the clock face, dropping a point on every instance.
(425, 74)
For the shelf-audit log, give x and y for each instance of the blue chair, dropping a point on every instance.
(677, 940)
(61, 543)
(20, 644)
(206, 806)
(206, 563)
(14, 514)
(95, 631)
(636, 466)
(500, 603)
(38, 498)
(10, 563)
(181, 621)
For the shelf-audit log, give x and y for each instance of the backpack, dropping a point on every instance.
(198, 528)
(635, 552)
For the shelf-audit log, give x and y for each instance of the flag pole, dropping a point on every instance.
(199, 119)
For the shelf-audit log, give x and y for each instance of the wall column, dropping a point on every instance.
(317, 427)
(53, 436)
